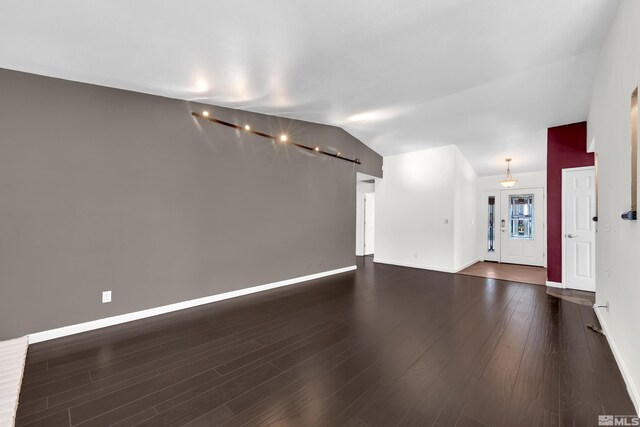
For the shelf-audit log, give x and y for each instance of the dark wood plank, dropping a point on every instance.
(58, 419)
(269, 349)
(609, 382)
(580, 402)
(206, 402)
(137, 418)
(265, 402)
(141, 396)
(501, 372)
(35, 406)
(535, 396)
(63, 384)
(463, 388)
(212, 418)
(438, 338)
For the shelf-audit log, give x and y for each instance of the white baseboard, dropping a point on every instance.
(631, 385)
(421, 266)
(555, 284)
(128, 317)
(469, 264)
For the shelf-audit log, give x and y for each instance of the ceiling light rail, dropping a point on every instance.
(205, 115)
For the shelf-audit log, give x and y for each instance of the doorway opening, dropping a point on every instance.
(514, 226)
(365, 214)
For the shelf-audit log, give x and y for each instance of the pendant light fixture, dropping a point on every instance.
(508, 181)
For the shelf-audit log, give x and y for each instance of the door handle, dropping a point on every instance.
(570, 236)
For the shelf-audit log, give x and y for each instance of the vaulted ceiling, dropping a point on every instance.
(487, 75)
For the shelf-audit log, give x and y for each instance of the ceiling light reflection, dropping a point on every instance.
(375, 115)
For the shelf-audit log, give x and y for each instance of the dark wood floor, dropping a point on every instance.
(384, 346)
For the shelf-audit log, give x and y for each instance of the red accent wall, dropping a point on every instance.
(566, 148)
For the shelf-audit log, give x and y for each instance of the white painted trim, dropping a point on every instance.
(563, 249)
(463, 266)
(580, 168)
(128, 317)
(555, 284)
(422, 266)
(411, 265)
(371, 198)
(631, 385)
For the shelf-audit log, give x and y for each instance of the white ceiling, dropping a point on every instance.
(487, 75)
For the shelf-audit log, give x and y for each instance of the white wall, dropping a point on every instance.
(618, 241)
(465, 224)
(492, 184)
(416, 209)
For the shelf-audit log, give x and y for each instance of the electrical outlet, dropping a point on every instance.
(106, 297)
(607, 272)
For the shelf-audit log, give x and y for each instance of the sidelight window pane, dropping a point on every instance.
(491, 226)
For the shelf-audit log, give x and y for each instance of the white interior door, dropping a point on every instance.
(369, 221)
(579, 231)
(521, 226)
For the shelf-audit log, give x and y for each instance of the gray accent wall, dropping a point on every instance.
(105, 189)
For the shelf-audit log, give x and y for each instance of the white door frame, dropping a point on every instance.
(544, 219)
(564, 246)
(367, 237)
(498, 194)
